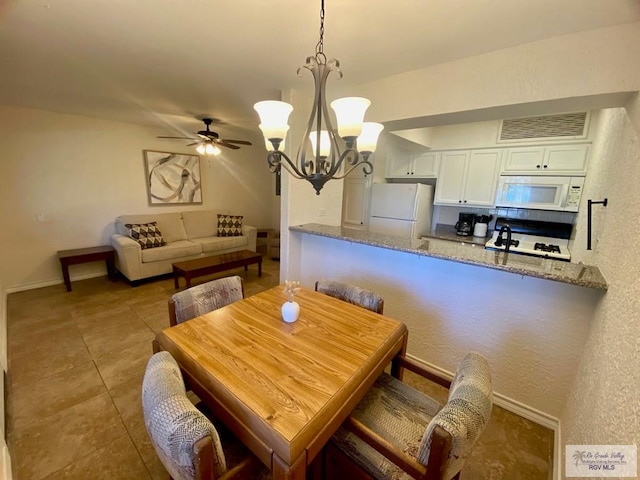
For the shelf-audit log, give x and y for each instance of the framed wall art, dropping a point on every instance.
(172, 178)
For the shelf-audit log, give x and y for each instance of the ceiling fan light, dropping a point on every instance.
(350, 115)
(201, 149)
(216, 151)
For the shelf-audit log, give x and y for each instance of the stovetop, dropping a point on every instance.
(541, 239)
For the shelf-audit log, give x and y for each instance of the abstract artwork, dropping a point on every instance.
(172, 178)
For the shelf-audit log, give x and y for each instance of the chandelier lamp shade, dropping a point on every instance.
(320, 157)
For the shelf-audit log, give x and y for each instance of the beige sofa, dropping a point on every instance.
(187, 235)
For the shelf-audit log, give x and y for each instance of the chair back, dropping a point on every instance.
(464, 416)
(177, 429)
(204, 298)
(352, 294)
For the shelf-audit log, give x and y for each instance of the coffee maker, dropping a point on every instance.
(465, 224)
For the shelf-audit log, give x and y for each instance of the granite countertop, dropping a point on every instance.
(471, 253)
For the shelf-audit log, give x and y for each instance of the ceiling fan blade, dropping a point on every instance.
(180, 138)
(228, 145)
(241, 142)
(192, 144)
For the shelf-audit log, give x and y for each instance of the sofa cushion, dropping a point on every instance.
(170, 224)
(147, 234)
(181, 248)
(229, 225)
(213, 244)
(200, 223)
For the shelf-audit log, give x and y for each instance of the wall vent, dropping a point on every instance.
(546, 127)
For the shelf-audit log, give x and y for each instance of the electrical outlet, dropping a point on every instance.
(40, 217)
(322, 212)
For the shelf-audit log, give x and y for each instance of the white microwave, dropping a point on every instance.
(540, 193)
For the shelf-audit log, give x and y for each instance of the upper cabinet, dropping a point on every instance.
(568, 159)
(424, 165)
(468, 177)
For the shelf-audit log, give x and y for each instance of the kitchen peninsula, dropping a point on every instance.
(529, 316)
(469, 253)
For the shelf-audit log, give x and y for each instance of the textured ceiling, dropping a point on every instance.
(167, 62)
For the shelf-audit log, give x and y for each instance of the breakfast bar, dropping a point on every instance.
(529, 315)
(468, 252)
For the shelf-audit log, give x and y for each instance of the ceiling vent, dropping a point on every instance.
(546, 127)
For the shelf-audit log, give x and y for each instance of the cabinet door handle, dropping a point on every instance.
(537, 166)
(465, 201)
(546, 166)
(459, 201)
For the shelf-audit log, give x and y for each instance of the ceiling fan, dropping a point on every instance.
(209, 141)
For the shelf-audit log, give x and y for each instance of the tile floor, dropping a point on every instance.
(76, 362)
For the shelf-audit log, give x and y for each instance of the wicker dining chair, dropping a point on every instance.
(352, 294)
(396, 432)
(204, 298)
(185, 440)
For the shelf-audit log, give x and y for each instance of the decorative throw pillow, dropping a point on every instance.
(146, 234)
(230, 225)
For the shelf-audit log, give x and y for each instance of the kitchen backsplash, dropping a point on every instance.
(449, 215)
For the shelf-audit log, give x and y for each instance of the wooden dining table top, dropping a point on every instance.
(289, 384)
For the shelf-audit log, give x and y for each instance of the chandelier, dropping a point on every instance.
(320, 157)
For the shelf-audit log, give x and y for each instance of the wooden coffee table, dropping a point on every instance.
(198, 267)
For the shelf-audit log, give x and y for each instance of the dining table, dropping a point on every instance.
(284, 388)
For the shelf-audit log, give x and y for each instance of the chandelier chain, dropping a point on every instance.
(320, 44)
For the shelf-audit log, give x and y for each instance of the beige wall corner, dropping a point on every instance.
(602, 403)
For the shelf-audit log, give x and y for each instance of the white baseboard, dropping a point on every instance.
(5, 463)
(557, 455)
(5, 458)
(520, 409)
(49, 283)
(4, 361)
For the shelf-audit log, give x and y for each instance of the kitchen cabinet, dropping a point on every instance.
(424, 165)
(468, 177)
(546, 160)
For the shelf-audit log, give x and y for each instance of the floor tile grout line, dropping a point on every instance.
(124, 424)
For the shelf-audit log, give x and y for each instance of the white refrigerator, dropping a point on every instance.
(401, 209)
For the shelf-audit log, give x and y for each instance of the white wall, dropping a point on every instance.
(597, 62)
(531, 330)
(603, 405)
(81, 173)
